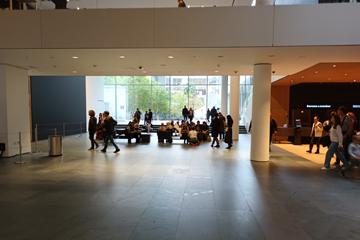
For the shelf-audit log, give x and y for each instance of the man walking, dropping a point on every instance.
(215, 125)
(185, 113)
(212, 113)
(109, 124)
(316, 134)
(347, 127)
(273, 129)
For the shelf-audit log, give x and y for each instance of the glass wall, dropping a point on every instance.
(166, 96)
(246, 90)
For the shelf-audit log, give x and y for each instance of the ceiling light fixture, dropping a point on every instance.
(121, 56)
(334, 65)
(354, 80)
(316, 72)
(75, 57)
(74, 71)
(77, 8)
(28, 57)
(345, 74)
(302, 77)
(329, 78)
(216, 71)
(170, 56)
(144, 71)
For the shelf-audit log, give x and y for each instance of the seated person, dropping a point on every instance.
(177, 129)
(148, 127)
(185, 132)
(162, 128)
(354, 152)
(193, 136)
(182, 124)
(198, 130)
(132, 132)
(172, 123)
(205, 131)
(169, 127)
(192, 125)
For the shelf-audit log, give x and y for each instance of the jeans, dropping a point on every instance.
(334, 149)
(110, 137)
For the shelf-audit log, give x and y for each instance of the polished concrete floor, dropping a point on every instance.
(152, 191)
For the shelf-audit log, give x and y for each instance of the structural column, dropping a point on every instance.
(224, 95)
(14, 109)
(260, 130)
(234, 104)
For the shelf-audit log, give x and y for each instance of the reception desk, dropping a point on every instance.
(290, 131)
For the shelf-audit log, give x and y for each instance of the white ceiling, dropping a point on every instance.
(196, 61)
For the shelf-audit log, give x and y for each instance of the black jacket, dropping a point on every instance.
(109, 125)
(185, 112)
(215, 125)
(92, 125)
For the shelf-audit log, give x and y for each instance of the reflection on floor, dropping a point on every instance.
(163, 191)
(300, 150)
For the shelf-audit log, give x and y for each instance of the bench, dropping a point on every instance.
(122, 134)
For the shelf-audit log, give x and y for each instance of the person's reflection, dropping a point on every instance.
(181, 3)
(60, 4)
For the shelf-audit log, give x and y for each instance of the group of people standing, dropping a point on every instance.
(341, 138)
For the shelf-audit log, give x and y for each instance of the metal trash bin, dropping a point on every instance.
(55, 145)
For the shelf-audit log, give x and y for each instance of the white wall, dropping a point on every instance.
(94, 95)
(15, 109)
(288, 25)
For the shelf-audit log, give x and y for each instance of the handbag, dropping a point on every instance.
(208, 138)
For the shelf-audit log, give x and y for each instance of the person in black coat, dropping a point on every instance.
(109, 125)
(92, 129)
(150, 115)
(228, 138)
(185, 113)
(215, 125)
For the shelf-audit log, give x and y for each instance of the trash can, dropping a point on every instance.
(55, 145)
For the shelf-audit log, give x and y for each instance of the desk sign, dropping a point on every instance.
(318, 106)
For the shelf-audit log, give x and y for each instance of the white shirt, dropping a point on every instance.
(336, 135)
(193, 134)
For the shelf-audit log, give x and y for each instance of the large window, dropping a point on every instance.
(166, 96)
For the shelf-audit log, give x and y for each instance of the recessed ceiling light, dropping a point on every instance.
(216, 71)
(302, 77)
(75, 57)
(316, 72)
(334, 65)
(329, 78)
(121, 56)
(28, 57)
(202, 6)
(74, 71)
(354, 80)
(144, 71)
(170, 56)
(78, 8)
(345, 74)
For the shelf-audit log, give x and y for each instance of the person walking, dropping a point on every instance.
(347, 127)
(92, 129)
(185, 113)
(228, 137)
(208, 113)
(222, 127)
(215, 125)
(336, 138)
(316, 134)
(109, 125)
(273, 129)
(191, 114)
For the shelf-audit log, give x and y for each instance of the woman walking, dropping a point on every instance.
(336, 138)
(92, 129)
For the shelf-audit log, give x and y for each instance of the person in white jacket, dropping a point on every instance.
(316, 134)
(336, 139)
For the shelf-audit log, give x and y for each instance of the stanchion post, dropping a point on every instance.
(36, 138)
(63, 131)
(20, 148)
(80, 130)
